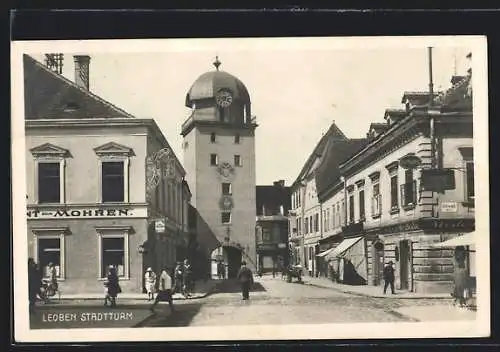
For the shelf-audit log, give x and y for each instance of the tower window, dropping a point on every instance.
(226, 217)
(212, 137)
(213, 160)
(237, 139)
(226, 189)
(237, 160)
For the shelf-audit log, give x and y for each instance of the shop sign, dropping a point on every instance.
(449, 207)
(450, 224)
(85, 213)
(281, 245)
(160, 226)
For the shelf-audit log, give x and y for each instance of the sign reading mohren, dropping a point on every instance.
(85, 213)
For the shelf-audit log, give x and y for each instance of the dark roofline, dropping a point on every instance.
(74, 85)
(315, 152)
(408, 95)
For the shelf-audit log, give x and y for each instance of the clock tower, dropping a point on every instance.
(219, 158)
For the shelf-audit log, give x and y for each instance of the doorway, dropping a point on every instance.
(378, 263)
(233, 256)
(404, 264)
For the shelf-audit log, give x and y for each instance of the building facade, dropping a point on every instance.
(273, 204)
(89, 200)
(219, 156)
(410, 186)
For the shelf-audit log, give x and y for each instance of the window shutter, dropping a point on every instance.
(414, 185)
(403, 194)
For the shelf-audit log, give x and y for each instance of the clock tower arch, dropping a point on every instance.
(219, 158)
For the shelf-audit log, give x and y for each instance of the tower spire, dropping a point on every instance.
(217, 63)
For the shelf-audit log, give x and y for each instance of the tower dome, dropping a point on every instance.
(208, 84)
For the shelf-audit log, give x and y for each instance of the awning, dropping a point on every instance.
(344, 246)
(468, 239)
(322, 254)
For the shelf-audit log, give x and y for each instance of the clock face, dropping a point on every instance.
(224, 98)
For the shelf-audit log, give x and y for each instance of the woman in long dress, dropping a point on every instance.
(113, 287)
(150, 280)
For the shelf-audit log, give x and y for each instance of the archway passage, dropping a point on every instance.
(378, 263)
(233, 257)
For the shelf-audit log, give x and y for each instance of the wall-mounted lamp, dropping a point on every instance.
(141, 249)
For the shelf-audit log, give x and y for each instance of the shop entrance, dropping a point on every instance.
(233, 256)
(378, 263)
(404, 265)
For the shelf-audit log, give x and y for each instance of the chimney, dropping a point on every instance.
(82, 72)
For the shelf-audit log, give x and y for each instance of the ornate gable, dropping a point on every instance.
(49, 150)
(113, 148)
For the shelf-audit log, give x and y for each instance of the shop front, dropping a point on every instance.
(419, 265)
(82, 242)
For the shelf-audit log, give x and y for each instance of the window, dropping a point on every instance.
(113, 253)
(113, 247)
(213, 160)
(408, 190)
(237, 139)
(316, 222)
(226, 189)
(306, 225)
(49, 182)
(376, 200)
(469, 175)
(361, 195)
(311, 227)
(394, 192)
(212, 137)
(351, 208)
(342, 215)
(266, 234)
(226, 217)
(50, 251)
(299, 226)
(112, 181)
(237, 160)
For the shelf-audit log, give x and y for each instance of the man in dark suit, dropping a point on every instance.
(389, 277)
(245, 277)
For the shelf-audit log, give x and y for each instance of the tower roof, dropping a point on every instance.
(209, 83)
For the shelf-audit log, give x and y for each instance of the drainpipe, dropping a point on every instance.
(431, 120)
(342, 178)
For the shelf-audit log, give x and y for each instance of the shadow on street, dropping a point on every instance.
(182, 316)
(233, 286)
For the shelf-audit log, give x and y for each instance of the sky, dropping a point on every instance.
(296, 93)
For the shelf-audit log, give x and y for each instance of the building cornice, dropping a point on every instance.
(405, 130)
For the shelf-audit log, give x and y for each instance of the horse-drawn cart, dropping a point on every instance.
(292, 272)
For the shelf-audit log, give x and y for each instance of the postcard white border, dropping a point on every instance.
(478, 328)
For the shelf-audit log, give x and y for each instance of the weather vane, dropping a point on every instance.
(217, 63)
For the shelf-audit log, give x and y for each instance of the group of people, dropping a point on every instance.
(183, 281)
(37, 286)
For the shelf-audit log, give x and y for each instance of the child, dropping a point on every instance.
(150, 280)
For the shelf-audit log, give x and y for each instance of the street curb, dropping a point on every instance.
(143, 322)
(62, 299)
(371, 296)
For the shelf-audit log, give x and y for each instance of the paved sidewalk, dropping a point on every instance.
(371, 291)
(202, 289)
(441, 312)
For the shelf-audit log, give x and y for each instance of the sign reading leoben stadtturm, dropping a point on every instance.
(86, 213)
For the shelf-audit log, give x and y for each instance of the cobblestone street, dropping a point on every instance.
(273, 301)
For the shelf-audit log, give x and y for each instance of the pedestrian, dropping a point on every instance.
(187, 276)
(245, 277)
(460, 278)
(53, 277)
(220, 270)
(178, 276)
(164, 290)
(150, 282)
(112, 287)
(389, 277)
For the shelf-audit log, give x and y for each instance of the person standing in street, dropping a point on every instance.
(178, 276)
(33, 283)
(150, 281)
(389, 277)
(245, 277)
(187, 276)
(165, 291)
(112, 287)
